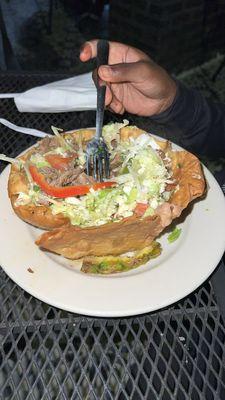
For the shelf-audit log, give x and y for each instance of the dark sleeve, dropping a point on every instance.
(198, 124)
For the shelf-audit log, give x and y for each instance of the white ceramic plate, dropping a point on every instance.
(180, 269)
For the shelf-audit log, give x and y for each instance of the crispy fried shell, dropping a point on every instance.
(40, 216)
(132, 233)
(120, 237)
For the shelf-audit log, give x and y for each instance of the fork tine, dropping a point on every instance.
(97, 160)
(107, 169)
(88, 164)
(100, 169)
(97, 151)
(95, 167)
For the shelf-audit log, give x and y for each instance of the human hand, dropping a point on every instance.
(135, 83)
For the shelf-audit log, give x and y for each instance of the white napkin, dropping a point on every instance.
(73, 94)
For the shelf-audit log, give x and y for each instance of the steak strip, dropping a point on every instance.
(58, 178)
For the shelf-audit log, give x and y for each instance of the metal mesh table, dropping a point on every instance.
(47, 353)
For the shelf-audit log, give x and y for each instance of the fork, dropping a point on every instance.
(97, 154)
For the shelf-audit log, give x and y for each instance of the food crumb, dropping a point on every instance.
(30, 270)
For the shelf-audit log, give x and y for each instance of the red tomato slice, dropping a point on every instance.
(67, 191)
(57, 161)
(140, 209)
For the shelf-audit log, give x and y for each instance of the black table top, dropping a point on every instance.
(47, 353)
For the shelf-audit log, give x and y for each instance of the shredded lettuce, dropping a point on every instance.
(63, 142)
(111, 132)
(142, 179)
(143, 184)
(39, 160)
(26, 198)
(59, 150)
(11, 160)
(147, 172)
(34, 196)
(96, 208)
(81, 153)
(23, 199)
(149, 212)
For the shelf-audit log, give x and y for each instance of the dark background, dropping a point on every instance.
(45, 35)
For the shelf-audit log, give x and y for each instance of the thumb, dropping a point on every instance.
(127, 72)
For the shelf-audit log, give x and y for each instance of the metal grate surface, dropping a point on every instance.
(47, 353)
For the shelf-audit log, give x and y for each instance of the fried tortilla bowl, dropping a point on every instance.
(130, 234)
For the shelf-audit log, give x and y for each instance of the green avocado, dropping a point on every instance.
(114, 264)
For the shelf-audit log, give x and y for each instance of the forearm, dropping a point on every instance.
(198, 123)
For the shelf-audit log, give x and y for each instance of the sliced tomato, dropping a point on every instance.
(58, 162)
(140, 209)
(67, 191)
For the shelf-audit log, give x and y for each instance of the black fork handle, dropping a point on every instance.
(102, 59)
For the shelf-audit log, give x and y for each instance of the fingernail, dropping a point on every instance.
(84, 46)
(106, 71)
